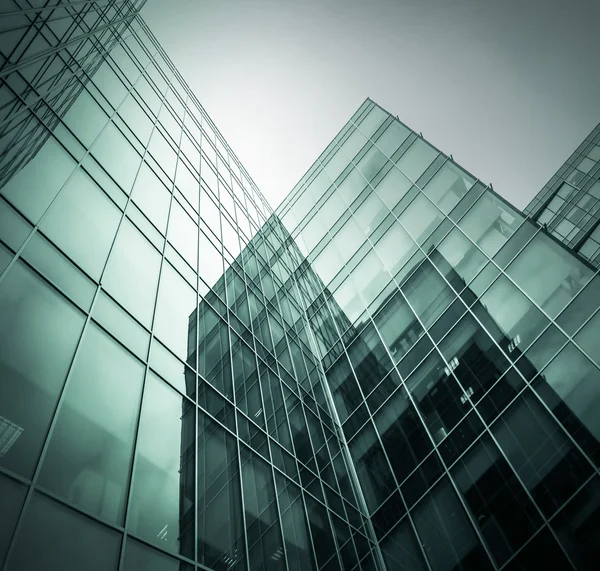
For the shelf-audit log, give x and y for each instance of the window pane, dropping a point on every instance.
(83, 221)
(13, 496)
(220, 529)
(39, 331)
(163, 153)
(550, 466)
(183, 234)
(505, 515)
(401, 550)
(392, 187)
(152, 197)
(139, 557)
(174, 321)
(448, 186)
(416, 159)
(461, 254)
(398, 326)
(447, 535)
(513, 313)
(132, 272)
(370, 214)
(420, 218)
(117, 156)
(395, 248)
(549, 274)
(162, 498)
(490, 223)
(85, 118)
(88, 458)
(55, 537)
(32, 189)
(573, 382)
(372, 467)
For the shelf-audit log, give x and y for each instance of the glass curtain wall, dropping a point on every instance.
(569, 204)
(162, 404)
(464, 370)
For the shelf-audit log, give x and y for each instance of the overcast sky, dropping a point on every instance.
(508, 87)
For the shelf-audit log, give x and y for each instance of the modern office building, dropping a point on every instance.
(569, 204)
(394, 370)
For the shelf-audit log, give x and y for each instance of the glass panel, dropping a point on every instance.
(220, 529)
(461, 254)
(403, 435)
(401, 550)
(448, 186)
(577, 526)
(447, 537)
(150, 194)
(578, 311)
(416, 159)
(427, 293)
(39, 331)
(520, 321)
(351, 186)
(88, 459)
(546, 460)
(55, 537)
(120, 324)
(551, 275)
(13, 496)
(162, 499)
(83, 221)
(183, 234)
(420, 218)
(117, 156)
(33, 188)
(392, 138)
(371, 163)
(132, 273)
(589, 338)
(572, 390)
(174, 320)
(490, 223)
(372, 121)
(505, 515)
(392, 187)
(163, 153)
(372, 467)
(85, 118)
(139, 557)
(52, 264)
(370, 214)
(262, 521)
(398, 326)
(395, 248)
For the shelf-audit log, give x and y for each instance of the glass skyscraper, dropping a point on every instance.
(394, 370)
(569, 204)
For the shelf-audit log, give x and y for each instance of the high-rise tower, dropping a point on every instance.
(395, 370)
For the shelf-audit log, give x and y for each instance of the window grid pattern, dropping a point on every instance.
(462, 318)
(569, 204)
(162, 390)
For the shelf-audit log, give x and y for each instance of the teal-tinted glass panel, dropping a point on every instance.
(89, 455)
(132, 273)
(416, 159)
(33, 188)
(82, 222)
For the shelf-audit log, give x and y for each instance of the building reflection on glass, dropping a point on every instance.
(396, 369)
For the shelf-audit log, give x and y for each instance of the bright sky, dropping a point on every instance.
(508, 87)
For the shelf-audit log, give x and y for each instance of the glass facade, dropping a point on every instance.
(569, 204)
(465, 373)
(394, 370)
